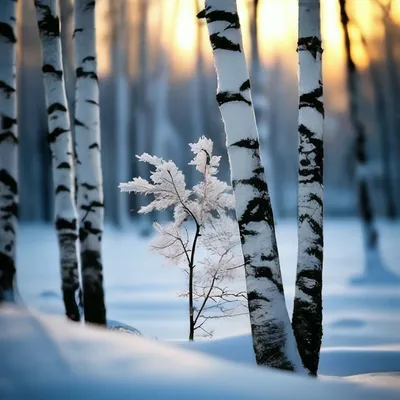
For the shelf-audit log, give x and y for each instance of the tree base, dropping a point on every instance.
(376, 272)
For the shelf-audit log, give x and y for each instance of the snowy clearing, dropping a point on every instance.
(143, 293)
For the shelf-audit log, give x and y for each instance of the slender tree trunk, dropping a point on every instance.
(8, 148)
(144, 117)
(122, 107)
(273, 338)
(393, 88)
(89, 172)
(307, 311)
(60, 140)
(375, 270)
(381, 115)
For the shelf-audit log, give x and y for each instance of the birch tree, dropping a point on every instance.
(60, 140)
(8, 148)
(273, 338)
(307, 311)
(375, 270)
(89, 172)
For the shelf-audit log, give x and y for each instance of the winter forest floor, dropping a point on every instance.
(361, 323)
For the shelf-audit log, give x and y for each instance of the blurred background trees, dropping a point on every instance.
(157, 86)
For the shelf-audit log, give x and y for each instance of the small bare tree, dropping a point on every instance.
(208, 205)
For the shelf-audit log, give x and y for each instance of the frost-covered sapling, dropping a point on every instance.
(209, 206)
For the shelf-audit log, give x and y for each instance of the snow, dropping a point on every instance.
(334, 361)
(48, 357)
(388, 379)
(142, 292)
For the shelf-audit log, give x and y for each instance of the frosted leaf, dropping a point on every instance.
(167, 184)
(204, 160)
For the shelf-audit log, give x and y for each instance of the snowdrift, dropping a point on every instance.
(48, 357)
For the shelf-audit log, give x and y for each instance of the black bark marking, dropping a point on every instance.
(220, 15)
(62, 188)
(90, 5)
(265, 272)
(310, 174)
(63, 165)
(7, 32)
(227, 97)
(7, 89)
(56, 107)
(11, 210)
(245, 85)
(49, 69)
(223, 43)
(89, 58)
(49, 24)
(62, 223)
(77, 30)
(311, 44)
(93, 293)
(7, 180)
(88, 187)
(7, 273)
(52, 137)
(8, 122)
(311, 100)
(8, 136)
(92, 102)
(273, 342)
(94, 146)
(80, 73)
(79, 123)
(251, 144)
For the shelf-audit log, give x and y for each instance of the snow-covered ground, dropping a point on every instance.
(361, 323)
(143, 293)
(47, 357)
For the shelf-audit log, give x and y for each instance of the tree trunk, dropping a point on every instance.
(273, 338)
(307, 311)
(375, 271)
(89, 172)
(60, 139)
(122, 109)
(8, 149)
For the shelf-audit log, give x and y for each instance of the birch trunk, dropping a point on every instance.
(60, 139)
(307, 310)
(88, 151)
(374, 270)
(8, 149)
(273, 338)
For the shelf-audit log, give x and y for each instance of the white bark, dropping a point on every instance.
(8, 148)
(273, 338)
(60, 140)
(307, 312)
(89, 172)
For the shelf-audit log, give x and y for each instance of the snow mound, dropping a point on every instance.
(48, 357)
(120, 326)
(334, 361)
(383, 379)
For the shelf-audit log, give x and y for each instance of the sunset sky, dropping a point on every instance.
(277, 27)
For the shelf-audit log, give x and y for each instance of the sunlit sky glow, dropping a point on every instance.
(277, 26)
